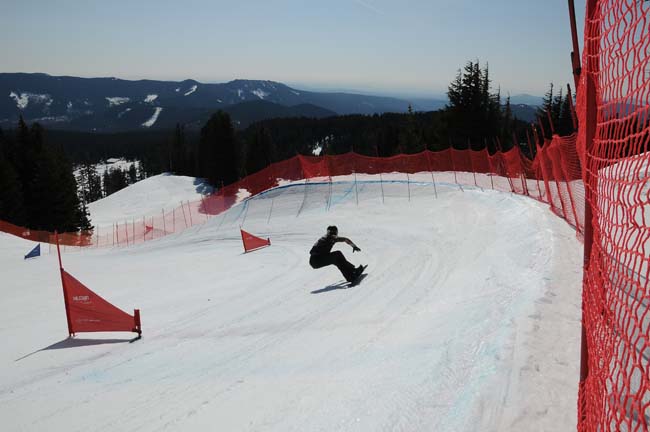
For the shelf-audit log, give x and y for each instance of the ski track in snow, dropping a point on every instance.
(191, 90)
(439, 335)
(153, 118)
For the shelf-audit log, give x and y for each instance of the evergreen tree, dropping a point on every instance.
(547, 107)
(90, 184)
(507, 122)
(142, 171)
(565, 121)
(474, 113)
(258, 151)
(410, 140)
(177, 152)
(133, 174)
(114, 180)
(558, 108)
(218, 161)
(11, 192)
(55, 204)
(84, 217)
(94, 184)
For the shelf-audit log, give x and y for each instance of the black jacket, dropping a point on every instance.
(323, 245)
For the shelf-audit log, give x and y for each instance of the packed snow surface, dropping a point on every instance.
(150, 98)
(153, 118)
(191, 90)
(468, 320)
(146, 198)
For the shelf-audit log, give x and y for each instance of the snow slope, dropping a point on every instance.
(469, 319)
(146, 198)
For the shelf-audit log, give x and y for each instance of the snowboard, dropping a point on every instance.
(359, 278)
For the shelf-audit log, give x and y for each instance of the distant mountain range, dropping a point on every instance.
(112, 105)
(526, 99)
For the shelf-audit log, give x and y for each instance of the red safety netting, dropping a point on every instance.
(614, 115)
(504, 171)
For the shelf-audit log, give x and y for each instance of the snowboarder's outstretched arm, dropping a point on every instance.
(355, 248)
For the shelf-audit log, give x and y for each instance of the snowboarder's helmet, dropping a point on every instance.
(332, 230)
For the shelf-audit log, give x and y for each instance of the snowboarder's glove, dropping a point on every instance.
(355, 249)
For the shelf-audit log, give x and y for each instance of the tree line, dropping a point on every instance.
(93, 187)
(475, 118)
(37, 186)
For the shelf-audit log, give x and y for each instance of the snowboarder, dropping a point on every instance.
(321, 254)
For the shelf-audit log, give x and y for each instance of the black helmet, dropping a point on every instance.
(332, 230)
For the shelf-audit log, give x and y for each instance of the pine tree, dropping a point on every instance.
(106, 183)
(507, 121)
(95, 191)
(11, 193)
(133, 174)
(218, 159)
(142, 171)
(114, 180)
(55, 204)
(89, 184)
(84, 218)
(547, 107)
(565, 121)
(474, 113)
(177, 151)
(258, 151)
(410, 140)
(82, 182)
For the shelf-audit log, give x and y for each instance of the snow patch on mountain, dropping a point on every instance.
(153, 118)
(24, 99)
(150, 98)
(260, 93)
(177, 90)
(295, 92)
(51, 119)
(117, 100)
(191, 90)
(239, 93)
(123, 112)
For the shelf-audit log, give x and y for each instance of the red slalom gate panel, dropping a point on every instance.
(89, 312)
(252, 242)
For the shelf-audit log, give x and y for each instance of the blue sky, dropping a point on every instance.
(379, 46)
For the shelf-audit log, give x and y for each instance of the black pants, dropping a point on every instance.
(336, 258)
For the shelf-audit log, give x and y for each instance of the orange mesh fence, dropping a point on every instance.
(613, 108)
(507, 172)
